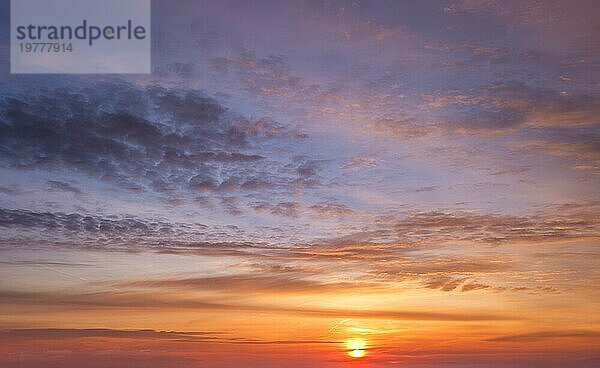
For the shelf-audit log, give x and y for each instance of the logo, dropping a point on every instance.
(80, 36)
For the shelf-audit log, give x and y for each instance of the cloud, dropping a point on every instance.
(426, 189)
(45, 263)
(146, 334)
(146, 300)
(580, 148)
(465, 284)
(78, 223)
(474, 286)
(556, 24)
(265, 76)
(56, 185)
(284, 209)
(502, 106)
(270, 283)
(412, 229)
(102, 347)
(390, 242)
(493, 228)
(548, 335)
(232, 205)
(167, 141)
(77, 333)
(444, 284)
(111, 232)
(441, 273)
(9, 190)
(359, 163)
(307, 171)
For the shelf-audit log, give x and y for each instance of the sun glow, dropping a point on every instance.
(356, 348)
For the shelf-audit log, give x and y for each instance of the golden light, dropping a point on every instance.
(356, 348)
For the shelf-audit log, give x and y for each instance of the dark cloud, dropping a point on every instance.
(81, 223)
(141, 138)
(127, 233)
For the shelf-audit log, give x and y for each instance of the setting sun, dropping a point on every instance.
(357, 353)
(356, 347)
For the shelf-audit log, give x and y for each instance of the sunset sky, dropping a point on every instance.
(311, 184)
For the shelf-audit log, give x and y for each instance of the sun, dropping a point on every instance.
(358, 353)
(356, 347)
